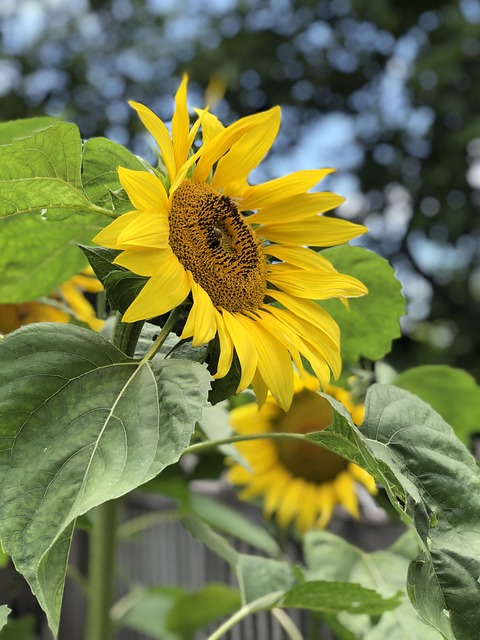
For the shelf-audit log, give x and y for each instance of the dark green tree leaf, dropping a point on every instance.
(81, 424)
(370, 323)
(451, 392)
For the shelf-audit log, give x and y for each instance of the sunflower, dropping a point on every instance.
(202, 230)
(300, 482)
(69, 301)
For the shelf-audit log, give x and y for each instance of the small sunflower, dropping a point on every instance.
(238, 250)
(67, 302)
(300, 482)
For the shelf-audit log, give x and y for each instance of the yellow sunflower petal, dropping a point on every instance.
(211, 125)
(259, 387)
(181, 124)
(201, 322)
(269, 193)
(362, 476)
(215, 148)
(308, 513)
(144, 190)
(149, 230)
(310, 311)
(326, 504)
(304, 206)
(143, 262)
(79, 305)
(274, 363)
(87, 283)
(299, 257)
(167, 288)
(345, 492)
(246, 153)
(291, 502)
(244, 417)
(226, 347)
(160, 132)
(318, 231)
(276, 491)
(315, 285)
(244, 348)
(108, 236)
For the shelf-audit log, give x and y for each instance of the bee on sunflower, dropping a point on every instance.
(238, 250)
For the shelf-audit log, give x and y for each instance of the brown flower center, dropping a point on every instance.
(212, 240)
(309, 412)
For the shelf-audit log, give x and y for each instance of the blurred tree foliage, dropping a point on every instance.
(386, 92)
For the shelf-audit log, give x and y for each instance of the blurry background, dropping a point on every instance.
(386, 92)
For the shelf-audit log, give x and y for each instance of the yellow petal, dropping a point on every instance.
(160, 132)
(259, 387)
(243, 419)
(300, 257)
(300, 207)
(326, 504)
(309, 311)
(291, 502)
(308, 512)
(144, 190)
(167, 288)
(362, 476)
(317, 231)
(108, 236)
(226, 347)
(269, 193)
(315, 285)
(244, 348)
(201, 322)
(345, 492)
(211, 125)
(181, 124)
(215, 148)
(143, 262)
(149, 230)
(246, 153)
(276, 491)
(87, 283)
(274, 362)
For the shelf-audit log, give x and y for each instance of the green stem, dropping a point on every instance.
(200, 447)
(252, 607)
(287, 623)
(162, 336)
(126, 334)
(101, 564)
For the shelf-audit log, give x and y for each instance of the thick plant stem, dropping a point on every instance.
(101, 566)
(102, 541)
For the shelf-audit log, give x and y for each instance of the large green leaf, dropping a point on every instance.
(451, 392)
(38, 255)
(101, 158)
(44, 211)
(330, 557)
(81, 424)
(425, 469)
(370, 323)
(24, 127)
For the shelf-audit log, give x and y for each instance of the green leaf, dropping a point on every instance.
(233, 523)
(195, 610)
(40, 181)
(329, 557)
(451, 392)
(330, 596)
(42, 172)
(433, 469)
(259, 577)
(210, 538)
(4, 612)
(39, 255)
(121, 286)
(369, 325)
(82, 424)
(22, 128)
(148, 611)
(101, 159)
(425, 470)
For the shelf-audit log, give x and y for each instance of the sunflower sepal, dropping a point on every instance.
(225, 387)
(121, 285)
